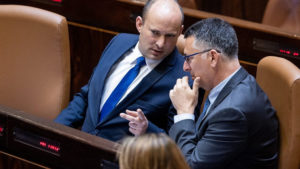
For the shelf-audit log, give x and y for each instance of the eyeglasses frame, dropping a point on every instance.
(186, 58)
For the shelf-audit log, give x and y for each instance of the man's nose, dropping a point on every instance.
(160, 41)
(186, 66)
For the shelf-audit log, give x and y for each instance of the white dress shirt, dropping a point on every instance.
(119, 70)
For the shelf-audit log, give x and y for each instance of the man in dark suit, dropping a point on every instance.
(238, 127)
(146, 100)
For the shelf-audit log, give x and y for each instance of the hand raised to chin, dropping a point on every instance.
(183, 98)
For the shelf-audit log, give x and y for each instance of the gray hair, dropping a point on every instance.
(217, 34)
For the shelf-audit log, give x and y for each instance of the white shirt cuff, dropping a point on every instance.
(183, 116)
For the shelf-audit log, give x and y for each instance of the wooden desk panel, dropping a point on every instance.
(8, 161)
(31, 141)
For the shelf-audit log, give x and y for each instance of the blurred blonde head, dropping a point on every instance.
(150, 151)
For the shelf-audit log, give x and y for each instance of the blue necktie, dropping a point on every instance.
(119, 91)
(206, 105)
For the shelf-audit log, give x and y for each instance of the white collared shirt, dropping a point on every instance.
(119, 70)
(212, 96)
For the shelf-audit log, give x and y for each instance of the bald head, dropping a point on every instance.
(159, 28)
(163, 8)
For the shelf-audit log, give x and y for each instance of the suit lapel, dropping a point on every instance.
(108, 59)
(156, 74)
(231, 84)
(100, 81)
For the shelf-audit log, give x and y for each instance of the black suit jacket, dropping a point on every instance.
(240, 130)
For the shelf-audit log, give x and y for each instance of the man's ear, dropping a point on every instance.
(139, 23)
(181, 29)
(215, 57)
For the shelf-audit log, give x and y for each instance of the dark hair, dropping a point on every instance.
(217, 34)
(149, 3)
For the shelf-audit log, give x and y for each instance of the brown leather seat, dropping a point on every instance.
(188, 3)
(280, 79)
(284, 14)
(34, 60)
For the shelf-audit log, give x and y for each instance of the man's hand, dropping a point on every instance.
(183, 97)
(138, 122)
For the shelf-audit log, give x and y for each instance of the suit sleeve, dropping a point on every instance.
(223, 138)
(74, 114)
(153, 128)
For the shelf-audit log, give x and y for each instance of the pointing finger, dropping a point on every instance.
(127, 117)
(132, 113)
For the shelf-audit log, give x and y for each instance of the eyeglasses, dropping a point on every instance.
(188, 58)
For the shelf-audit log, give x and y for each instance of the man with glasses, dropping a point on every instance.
(238, 127)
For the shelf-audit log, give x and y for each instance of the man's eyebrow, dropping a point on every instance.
(171, 34)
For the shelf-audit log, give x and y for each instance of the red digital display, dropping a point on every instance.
(37, 141)
(52, 147)
(49, 146)
(288, 52)
(1, 130)
(276, 48)
(60, 1)
(43, 144)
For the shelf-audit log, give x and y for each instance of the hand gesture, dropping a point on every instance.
(138, 122)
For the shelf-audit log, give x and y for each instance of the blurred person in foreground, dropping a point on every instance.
(150, 151)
